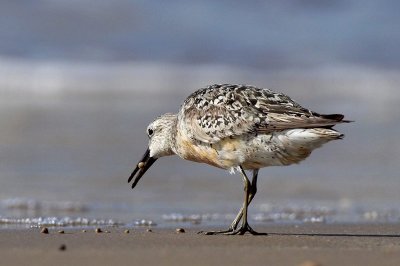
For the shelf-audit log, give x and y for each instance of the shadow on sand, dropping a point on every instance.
(335, 234)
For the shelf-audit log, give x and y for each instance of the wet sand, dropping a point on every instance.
(314, 244)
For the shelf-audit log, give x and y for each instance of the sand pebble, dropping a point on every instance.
(180, 230)
(149, 230)
(84, 231)
(44, 230)
(63, 247)
(98, 230)
(61, 232)
(126, 231)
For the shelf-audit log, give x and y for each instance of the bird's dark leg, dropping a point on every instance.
(250, 191)
(245, 227)
(253, 191)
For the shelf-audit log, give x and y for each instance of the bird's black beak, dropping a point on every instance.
(141, 168)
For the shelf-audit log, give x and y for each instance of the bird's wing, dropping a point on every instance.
(219, 111)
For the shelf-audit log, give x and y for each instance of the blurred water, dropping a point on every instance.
(71, 134)
(261, 34)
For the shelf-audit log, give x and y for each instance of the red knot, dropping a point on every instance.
(238, 128)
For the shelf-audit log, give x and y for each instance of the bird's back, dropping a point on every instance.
(219, 111)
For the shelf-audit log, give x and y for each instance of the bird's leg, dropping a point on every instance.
(245, 227)
(253, 191)
(250, 191)
(247, 201)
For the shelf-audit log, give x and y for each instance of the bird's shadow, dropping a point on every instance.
(335, 234)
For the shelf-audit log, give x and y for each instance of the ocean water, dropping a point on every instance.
(72, 134)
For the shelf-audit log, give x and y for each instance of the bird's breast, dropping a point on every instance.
(191, 150)
(223, 154)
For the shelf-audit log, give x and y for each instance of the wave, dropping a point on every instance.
(36, 206)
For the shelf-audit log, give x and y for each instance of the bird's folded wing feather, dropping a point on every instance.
(221, 111)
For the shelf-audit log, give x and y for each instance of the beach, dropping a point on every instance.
(305, 245)
(80, 84)
(67, 154)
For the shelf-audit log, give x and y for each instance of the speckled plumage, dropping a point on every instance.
(238, 127)
(223, 110)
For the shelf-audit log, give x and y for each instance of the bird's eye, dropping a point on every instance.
(150, 132)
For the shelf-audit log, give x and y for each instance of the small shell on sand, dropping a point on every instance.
(84, 231)
(140, 165)
(180, 230)
(149, 230)
(127, 231)
(61, 232)
(44, 230)
(98, 230)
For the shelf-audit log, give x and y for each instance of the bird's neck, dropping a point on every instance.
(172, 134)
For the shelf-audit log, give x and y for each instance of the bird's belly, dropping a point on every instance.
(254, 152)
(260, 152)
(285, 147)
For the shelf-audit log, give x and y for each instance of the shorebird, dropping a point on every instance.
(238, 128)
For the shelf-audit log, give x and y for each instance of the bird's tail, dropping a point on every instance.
(336, 117)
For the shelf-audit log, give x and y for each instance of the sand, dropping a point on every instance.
(305, 245)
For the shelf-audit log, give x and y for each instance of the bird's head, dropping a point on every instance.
(161, 137)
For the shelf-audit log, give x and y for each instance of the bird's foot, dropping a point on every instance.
(238, 231)
(245, 228)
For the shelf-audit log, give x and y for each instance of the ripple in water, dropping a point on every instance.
(298, 214)
(34, 213)
(35, 206)
(143, 222)
(56, 221)
(44, 213)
